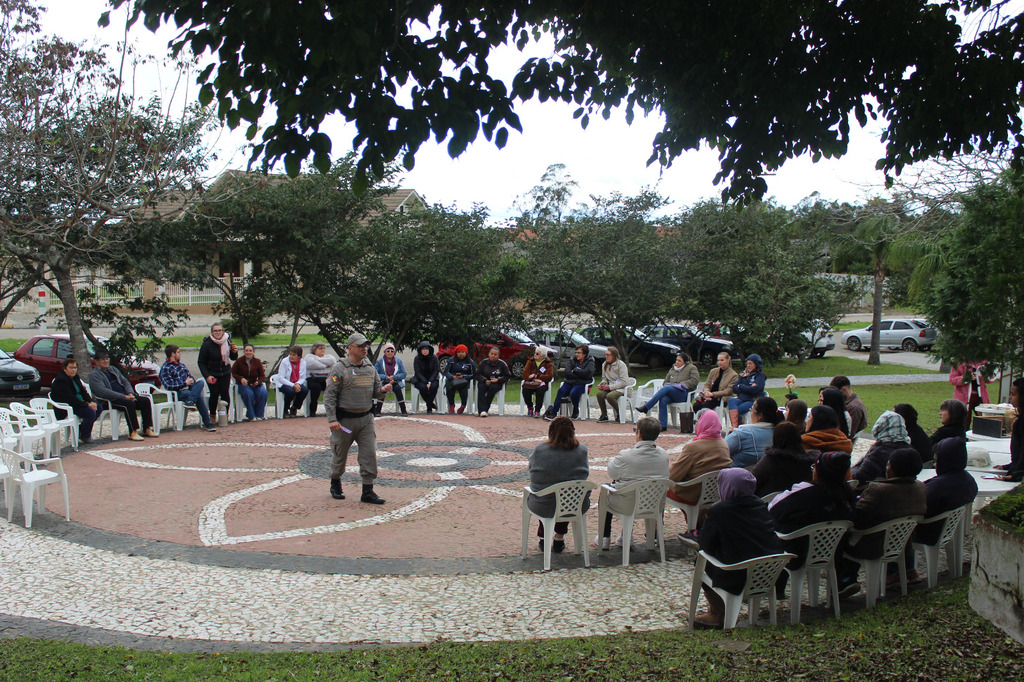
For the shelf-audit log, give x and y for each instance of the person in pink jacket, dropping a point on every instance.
(970, 386)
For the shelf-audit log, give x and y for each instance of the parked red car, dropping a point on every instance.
(515, 349)
(46, 352)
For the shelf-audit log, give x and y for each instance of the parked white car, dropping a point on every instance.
(824, 341)
(895, 333)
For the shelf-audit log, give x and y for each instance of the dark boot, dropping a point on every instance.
(369, 496)
(336, 489)
(401, 406)
(377, 407)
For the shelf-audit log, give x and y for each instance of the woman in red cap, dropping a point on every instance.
(457, 374)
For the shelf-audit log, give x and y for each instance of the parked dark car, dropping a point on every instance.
(17, 379)
(46, 352)
(514, 347)
(654, 354)
(702, 349)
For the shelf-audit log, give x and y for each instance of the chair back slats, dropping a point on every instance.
(762, 574)
(896, 536)
(569, 498)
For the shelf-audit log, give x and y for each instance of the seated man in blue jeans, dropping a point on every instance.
(175, 376)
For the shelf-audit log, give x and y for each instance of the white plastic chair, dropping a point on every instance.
(950, 538)
(569, 497)
(896, 535)
(278, 401)
(169, 406)
(7, 476)
(44, 419)
(675, 409)
(107, 413)
(624, 401)
(69, 424)
(27, 434)
(441, 398)
(708, 496)
(546, 402)
(648, 505)
(762, 573)
(584, 403)
(33, 481)
(499, 400)
(822, 541)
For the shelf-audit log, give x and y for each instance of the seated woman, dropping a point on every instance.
(719, 385)
(537, 376)
(737, 528)
(823, 433)
(748, 388)
(890, 435)
(706, 452)
(833, 397)
(796, 413)
(918, 437)
(828, 497)
(249, 374)
(682, 378)
(391, 370)
(491, 375)
(319, 364)
(68, 388)
(952, 414)
(785, 462)
(614, 376)
(558, 459)
(579, 370)
(426, 370)
(459, 371)
(748, 442)
(291, 381)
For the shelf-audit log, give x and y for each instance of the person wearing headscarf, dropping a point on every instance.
(918, 436)
(890, 434)
(748, 442)
(823, 433)
(952, 414)
(737, 528)
(748, 388)
(785, 461)
(391, 370)
(899, 494)
(426, 373)
(458, 372)
(827, 497)
(706, 452)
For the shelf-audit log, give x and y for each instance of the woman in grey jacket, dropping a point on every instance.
(681, 379)
(615, 376)
(558, 459)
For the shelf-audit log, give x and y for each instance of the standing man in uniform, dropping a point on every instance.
(351, 389)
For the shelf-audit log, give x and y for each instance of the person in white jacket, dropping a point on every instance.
(291, 381)
(643, 461)
(614, 376)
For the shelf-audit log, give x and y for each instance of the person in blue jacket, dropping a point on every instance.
(391, 370)
(749, 387)
(579, 371)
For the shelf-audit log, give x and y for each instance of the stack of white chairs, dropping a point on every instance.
(28, 436)
(40, 419)
(69, 424)
(25, 473)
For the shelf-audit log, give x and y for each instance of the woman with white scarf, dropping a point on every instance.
(215, 357)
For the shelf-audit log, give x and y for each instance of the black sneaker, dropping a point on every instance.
(336, 489)
(603, 418)
(210, 427)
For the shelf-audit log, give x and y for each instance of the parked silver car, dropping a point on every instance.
(824, 340)
(565, 342)
(894, 333)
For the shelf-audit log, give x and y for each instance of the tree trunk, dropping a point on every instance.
(876, 312)
(73, 318)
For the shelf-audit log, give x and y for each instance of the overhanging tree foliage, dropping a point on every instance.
(760, 82)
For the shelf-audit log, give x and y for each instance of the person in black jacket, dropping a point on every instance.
(491, 375)
(1015, 469)
(68, 388)
(953, 413)
(579, 370)
(785, 462)
(459, 371)
(426, 373)
(737, 528)
(215, 357)
(918, 436)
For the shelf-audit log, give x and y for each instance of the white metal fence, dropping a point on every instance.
(176, 295)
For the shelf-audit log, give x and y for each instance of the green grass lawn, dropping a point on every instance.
(932, 634)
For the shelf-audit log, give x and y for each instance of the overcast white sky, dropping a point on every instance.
(609, 156)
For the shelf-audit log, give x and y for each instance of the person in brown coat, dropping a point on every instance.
(823, 432)
(899, 494)
(719, 384)
(706, 452)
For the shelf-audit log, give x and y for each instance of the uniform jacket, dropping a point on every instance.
(352, 388)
